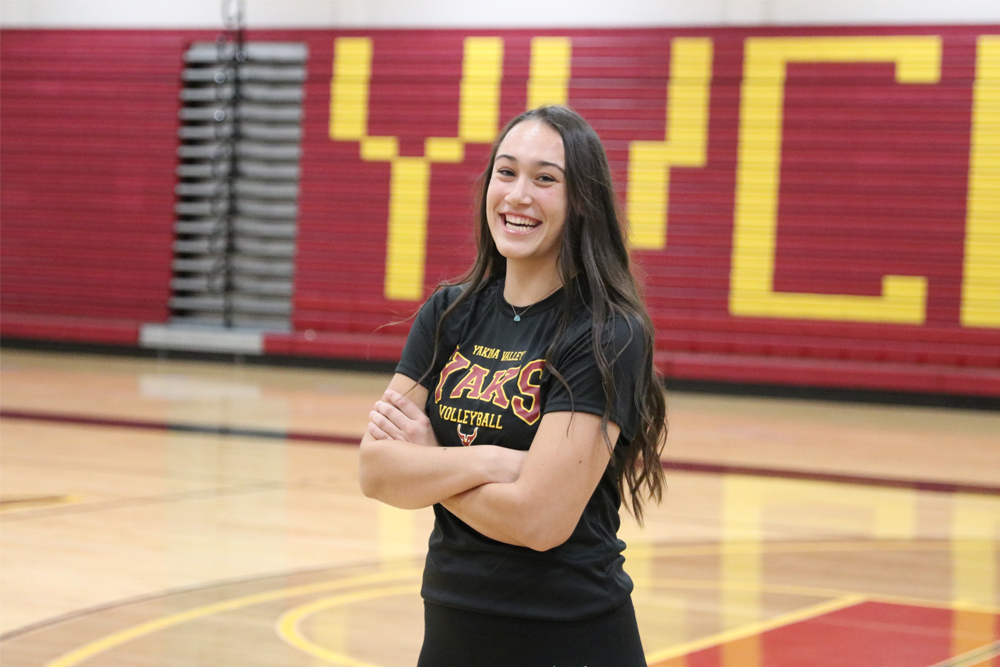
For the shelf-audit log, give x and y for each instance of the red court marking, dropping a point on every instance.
(876, 634)
(668, 464)
(180, 427)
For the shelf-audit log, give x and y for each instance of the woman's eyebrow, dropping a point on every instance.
(540, 163)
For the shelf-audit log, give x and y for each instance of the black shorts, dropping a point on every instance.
(456, 638)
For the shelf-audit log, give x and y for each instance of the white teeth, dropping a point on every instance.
(518, 221)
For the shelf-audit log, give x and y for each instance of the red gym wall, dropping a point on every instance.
(809, 206)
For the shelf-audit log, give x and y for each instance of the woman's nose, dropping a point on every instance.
(518, 192)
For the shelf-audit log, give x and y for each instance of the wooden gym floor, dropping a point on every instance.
(189, 513)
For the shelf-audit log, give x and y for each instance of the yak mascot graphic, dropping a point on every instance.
(467, 439)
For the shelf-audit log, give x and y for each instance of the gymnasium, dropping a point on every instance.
(218, 218)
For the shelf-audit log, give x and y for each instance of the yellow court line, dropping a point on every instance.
(809, 591)
(977, 656)
(982, 661)
(35, 502)
(288, 625)
(806, 547)
(116, 639)
(124, 636)
(752, 629)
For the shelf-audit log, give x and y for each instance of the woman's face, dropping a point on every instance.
(526, 197)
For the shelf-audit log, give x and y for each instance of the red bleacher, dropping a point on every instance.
(874, 182)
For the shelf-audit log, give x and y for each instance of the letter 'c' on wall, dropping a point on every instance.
(981, 273)
(751, 292)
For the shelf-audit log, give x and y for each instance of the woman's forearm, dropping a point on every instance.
(507, 513)
(542, 507)
(411, 476)
(482, 508)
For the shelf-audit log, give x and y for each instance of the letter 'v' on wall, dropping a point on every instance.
(479, 117)
(751, 293)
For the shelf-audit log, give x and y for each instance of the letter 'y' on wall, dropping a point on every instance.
(548, 77)
(479, 116)
(751, 292)
(479, 111)
(685, 144)
(981, 273)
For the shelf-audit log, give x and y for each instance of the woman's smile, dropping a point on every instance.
(518, 224)
(526, 197)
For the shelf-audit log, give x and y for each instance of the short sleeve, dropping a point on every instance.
(625, 348)
(419, 349)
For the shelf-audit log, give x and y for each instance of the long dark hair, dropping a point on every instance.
(595, 270)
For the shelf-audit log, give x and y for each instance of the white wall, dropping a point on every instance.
(491, 13)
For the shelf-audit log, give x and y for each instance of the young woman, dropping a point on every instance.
(541, 359)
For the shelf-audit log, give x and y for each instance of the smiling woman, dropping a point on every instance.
(540, 357)
(526, 206)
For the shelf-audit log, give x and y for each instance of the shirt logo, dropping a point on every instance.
(475, 384)
(466, 439)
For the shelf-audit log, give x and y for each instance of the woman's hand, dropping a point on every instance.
(401, 465)
(396, 417)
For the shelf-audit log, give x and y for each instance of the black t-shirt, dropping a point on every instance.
(490, 385)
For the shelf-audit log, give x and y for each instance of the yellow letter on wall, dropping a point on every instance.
(548, 77)
(903, 299)
(352, 68)
(479, 118)
(649, 162)
(406, 246)
(981, 274)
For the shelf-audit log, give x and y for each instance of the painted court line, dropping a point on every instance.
(815, 476)
(813, 591)
(115, 639)
(177, 427)
(753, 629)
(973, 658)
(288, 628)
(76, 504)
(668, 464)
(35, 502)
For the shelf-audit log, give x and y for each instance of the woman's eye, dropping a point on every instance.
(545, 178)
(505, 171)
